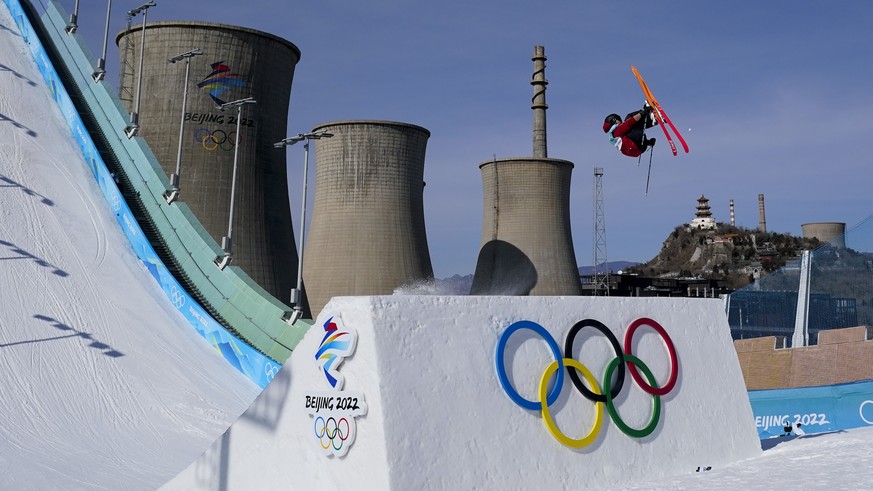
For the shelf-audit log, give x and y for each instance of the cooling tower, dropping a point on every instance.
(367, 235)
(236, 63)
(826, 232)
(527, 247)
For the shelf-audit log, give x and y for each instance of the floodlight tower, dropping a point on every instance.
(601, 269)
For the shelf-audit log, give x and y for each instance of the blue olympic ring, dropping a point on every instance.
(501, 366)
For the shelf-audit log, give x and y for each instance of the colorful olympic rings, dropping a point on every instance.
(605, 397)
(329, 434)
(215, 139)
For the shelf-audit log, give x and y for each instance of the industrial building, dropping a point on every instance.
(527, 245)
(367, 235)
(236, 63)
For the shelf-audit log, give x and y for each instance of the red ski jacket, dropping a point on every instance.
(623, 143)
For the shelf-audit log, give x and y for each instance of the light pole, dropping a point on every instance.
(227, 240)
(74, 20)
(173, 193)
(100, 72)
(131, 130)
(291, 140)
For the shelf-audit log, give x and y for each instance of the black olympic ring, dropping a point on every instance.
(574, 375)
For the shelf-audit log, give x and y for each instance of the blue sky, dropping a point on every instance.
(773, 97)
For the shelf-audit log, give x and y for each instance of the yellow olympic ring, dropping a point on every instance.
(547, 415)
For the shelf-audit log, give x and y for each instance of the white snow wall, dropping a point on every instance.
(437, 417)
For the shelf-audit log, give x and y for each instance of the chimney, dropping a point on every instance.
(733, 222)
(538, 103)
(762, 223)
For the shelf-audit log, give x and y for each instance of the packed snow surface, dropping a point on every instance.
(103, 383)
(103, 386)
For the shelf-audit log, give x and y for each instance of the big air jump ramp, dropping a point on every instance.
(429, 392)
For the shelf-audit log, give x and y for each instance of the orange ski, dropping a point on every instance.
(660, 115)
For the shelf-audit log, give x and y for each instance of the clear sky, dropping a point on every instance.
(773, 98)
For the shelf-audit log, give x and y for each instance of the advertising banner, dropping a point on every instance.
(815, 409)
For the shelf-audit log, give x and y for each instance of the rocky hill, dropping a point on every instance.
(734, 256)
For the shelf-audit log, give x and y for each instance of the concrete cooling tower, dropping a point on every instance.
(367, 235)
(826, 232)
(527, 245)
(236, 63)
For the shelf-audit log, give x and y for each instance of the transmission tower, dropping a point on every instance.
(601, 271)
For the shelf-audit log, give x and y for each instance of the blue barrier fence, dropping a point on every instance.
(817, 409)
(257, 367)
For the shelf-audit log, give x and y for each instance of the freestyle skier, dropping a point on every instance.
(629, 136)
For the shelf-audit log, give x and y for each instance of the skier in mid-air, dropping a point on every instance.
(629, 136)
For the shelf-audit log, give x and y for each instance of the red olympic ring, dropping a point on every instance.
(671, 350)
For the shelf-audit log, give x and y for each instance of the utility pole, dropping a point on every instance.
(601, 268)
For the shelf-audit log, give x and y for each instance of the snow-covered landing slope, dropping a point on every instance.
(102, 383)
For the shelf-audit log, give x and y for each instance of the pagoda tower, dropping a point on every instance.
(703, 217)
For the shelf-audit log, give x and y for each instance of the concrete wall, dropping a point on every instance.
(527, 245)
(367, 235)
(237, 63)
(437, 416)
(842, 355)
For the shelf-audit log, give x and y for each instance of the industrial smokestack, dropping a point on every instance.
(538, 103)
(762, 223)
(367, 235)
(733, 221)
(527, 247)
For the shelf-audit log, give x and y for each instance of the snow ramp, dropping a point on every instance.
(104, 383)
(436, 392)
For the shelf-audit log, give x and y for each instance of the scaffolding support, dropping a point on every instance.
(601, 265)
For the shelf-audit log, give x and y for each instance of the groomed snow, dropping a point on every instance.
(826, 461)
(103, 384)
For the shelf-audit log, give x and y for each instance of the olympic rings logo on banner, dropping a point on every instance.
(216, 139)
(601, 397)
(329, 432)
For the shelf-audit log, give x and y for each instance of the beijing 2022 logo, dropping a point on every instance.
(600, 398)
(334, 411)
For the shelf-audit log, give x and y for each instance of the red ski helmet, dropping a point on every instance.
(609, 121)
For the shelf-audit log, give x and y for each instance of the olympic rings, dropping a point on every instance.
(216, 139)
(601, 398)
(324, 430)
